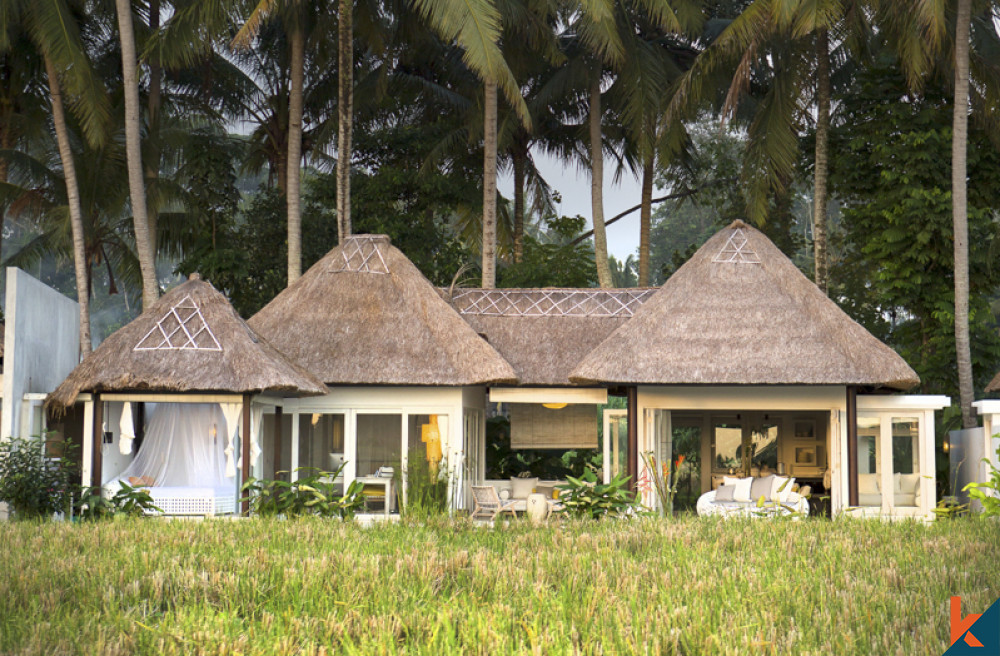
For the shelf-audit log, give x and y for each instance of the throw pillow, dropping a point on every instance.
(761, 487)
(724, 492)
(547, 490)
(520, 488)
(868, 484)
(779, 491)
(136, 480)
(741, 485)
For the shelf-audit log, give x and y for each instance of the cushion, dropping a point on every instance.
(782, 488)
(547, 490)
(135, 480)
(724, 492)
(761, 487)
(520, 488)
(741, 485)
(907, 483)
(868, 484)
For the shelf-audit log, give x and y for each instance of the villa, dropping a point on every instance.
(361, 360)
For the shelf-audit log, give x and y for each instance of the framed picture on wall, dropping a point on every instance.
(804, 429)
(805, 455)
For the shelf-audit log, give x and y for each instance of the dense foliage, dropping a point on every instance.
(33, 482)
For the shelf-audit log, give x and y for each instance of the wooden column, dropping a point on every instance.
(278, 416)
(632, 419)
(245, 448)
(97, 442)
(852, 446)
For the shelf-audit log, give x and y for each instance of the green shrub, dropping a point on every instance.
(981, 491)
(315, 494)
(31, 483)
(585, 497)
(426, 490)
(128, 501)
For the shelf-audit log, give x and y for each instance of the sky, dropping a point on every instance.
(574, 185)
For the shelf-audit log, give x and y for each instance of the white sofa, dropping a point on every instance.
(906, 489)
(794, 503)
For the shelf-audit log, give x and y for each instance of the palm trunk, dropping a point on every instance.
(143, 242)
(73, 199)
(345, 117)
(490, 186)
(645, 217)
(294, 164)
(821, 173)
(6, 143)
(597, 186)
(153, 150)
(520, 159)
(960, 218)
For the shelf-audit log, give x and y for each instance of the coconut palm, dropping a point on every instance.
(783, 47)
(54, 28)
(145, 245)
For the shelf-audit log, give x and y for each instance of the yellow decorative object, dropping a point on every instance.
(554, 406)
(430, 434)
(555, 493)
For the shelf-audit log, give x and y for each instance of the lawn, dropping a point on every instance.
(647, 586)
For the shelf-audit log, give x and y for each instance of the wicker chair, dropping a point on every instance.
(488, 504)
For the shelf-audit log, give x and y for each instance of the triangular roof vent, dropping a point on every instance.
(182, 328)
(737, 250)
(361, 255)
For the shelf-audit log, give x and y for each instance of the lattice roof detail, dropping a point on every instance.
(182, 328)
(361, 255)
(550, 302)
(737, 250)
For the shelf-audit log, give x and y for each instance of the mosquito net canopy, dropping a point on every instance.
(184, 446)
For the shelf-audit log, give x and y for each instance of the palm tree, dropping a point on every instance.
(784, 46)
(960, 211)
(55, 30)
(145, 246)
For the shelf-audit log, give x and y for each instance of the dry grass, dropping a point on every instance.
(312, 587)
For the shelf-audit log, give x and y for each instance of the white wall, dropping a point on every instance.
(41, 345)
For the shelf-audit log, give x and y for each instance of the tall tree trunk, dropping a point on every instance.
(520, 161)
(960, 217)
(73, 199)
(143, 241)
(645, 217)
(345, 116)
(294, 164)
(597, 186)
(6, 143)
(490, 186)
(821, 172)
(153, 150)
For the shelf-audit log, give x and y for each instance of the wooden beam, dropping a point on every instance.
(278, 416)
(98, 442)
(245, 448)
(852, 446)
(632, 419)
(177, 397)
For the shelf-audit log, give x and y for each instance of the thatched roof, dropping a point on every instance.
(544, 333)
(739, 312)
(190, 340)
(364, 314)
(994, 384)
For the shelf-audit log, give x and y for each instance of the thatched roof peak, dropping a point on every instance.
(740, 312)
(365, 315)
(190, 340)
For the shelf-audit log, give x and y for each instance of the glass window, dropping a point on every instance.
(277, 447)
(905, 440)
(727, 445)
(417, 447)
(321, 442)
(869, 429)
(380, 439)
(765, 446)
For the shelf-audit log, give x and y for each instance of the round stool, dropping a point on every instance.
(537, 508)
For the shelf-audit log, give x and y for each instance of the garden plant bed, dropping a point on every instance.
(691, 586)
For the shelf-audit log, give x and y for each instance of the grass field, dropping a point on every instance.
(313, 587)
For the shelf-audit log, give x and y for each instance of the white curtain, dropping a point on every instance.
(126, 430)
(183, 447)
(232, 412)
(257, 417)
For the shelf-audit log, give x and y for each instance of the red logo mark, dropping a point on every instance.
(960, 626)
